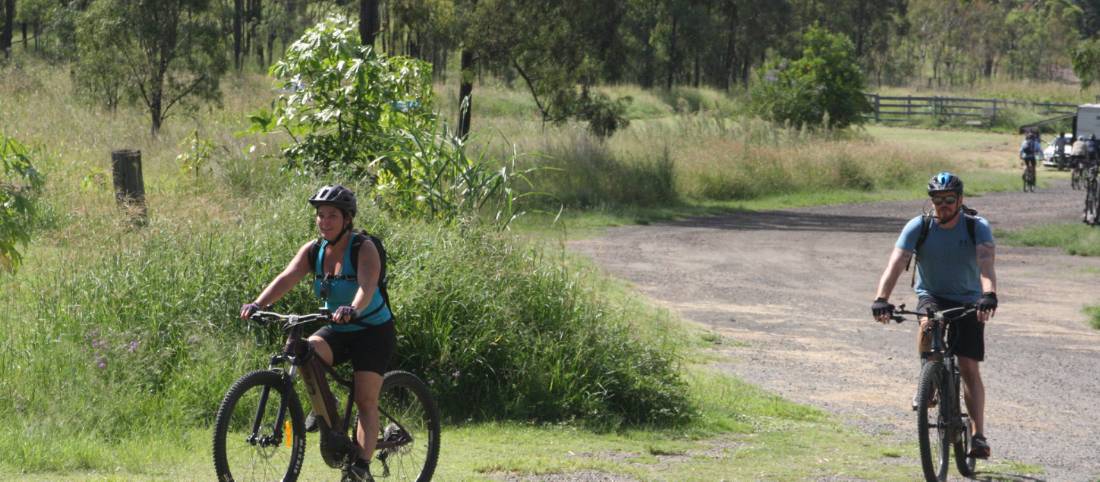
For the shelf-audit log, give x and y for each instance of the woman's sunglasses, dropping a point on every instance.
(937, 200)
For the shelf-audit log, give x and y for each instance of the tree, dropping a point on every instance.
(1086, 61)
(170, 51)
(548, 44)
(368, 21)
(8, 14)
(824, 85)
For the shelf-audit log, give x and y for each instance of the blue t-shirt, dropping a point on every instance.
(947, 263)
(342, 292)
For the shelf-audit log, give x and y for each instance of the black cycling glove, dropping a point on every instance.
(248, 309)
(881, 307)
(988, 302)
(344, 314)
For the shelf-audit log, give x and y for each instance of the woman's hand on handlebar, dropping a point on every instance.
(248, 309)
(343, 314)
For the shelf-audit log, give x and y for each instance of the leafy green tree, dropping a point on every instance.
(20, 184)
(548, 44)
(171, 52)
(345, 105)
(824, 85)
(1086, 61)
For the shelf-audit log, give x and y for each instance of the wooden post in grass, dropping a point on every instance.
(129, 185)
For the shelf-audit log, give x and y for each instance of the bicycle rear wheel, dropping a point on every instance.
(252, 442)
(932, 430)
(408, 442)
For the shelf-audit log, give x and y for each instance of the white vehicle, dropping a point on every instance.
(1048, 152)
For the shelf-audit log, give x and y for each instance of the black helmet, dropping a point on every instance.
(945, 181)
(339, 196)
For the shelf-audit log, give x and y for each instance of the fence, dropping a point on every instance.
(947, 109)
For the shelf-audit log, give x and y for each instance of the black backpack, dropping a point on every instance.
(357, 240)
(926, 226)
(1029, 148)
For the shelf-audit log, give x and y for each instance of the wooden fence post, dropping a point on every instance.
(129, 185)
(878, 106)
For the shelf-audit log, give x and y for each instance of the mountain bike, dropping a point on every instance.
(940, 430)
(260, 433)
(1029, 177)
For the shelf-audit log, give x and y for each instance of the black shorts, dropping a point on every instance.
(967, 333)
(369, 349)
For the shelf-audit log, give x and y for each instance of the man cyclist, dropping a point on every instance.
(1030, 150)
(362, 324)
(953, 268)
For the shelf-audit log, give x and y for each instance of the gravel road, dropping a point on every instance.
(796, 285)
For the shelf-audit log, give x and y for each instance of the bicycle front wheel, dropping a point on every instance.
(965, 464)
(932, 423)
(408, 443)
(259, 432)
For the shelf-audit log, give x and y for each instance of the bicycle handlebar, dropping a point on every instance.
(289, 321)
(945, 315)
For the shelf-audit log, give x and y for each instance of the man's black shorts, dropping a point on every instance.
(369, 349)
(969, 335)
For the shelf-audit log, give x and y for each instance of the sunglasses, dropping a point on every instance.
(937, 200)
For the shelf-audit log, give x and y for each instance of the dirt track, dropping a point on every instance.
(796, 285)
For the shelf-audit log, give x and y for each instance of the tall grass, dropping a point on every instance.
(114, 332)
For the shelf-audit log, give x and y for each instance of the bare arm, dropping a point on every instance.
(368, 272)
(898, 260)
(986, 256)
(297, 269)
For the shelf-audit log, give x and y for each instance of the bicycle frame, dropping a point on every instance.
(303, 361)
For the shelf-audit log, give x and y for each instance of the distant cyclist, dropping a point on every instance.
(954, 267)
(1031, 150)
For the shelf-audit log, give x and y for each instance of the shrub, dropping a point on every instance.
(20, 184)
(824, 85)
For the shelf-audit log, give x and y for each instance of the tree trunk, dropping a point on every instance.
(731, 48)
(673, 56)
(465, 89)
(238, 13)
(6, 31)
(368, 21)
(257, 17)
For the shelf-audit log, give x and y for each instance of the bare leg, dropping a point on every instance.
(973, 392)
(367, 388)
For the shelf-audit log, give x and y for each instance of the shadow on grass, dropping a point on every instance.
(1001, 476)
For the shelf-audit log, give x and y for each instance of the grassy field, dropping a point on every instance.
(137, 325)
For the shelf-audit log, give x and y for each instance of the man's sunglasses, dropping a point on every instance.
(937, 200)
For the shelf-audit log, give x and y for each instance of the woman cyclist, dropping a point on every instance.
(362, 324)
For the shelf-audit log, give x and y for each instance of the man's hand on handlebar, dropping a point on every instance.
(882, 310)
(987, 306)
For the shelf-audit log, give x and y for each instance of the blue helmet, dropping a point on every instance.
(945, 181)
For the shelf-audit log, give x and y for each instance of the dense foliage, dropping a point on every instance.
(20, 184)
(352, 111)
(822, 87)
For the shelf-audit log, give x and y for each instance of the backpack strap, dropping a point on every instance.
(318, 271)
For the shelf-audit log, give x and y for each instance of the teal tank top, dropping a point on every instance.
(339, 290)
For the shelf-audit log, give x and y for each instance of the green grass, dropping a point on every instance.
(1093, 313)
(525, 347)
(1076, 239)
(742, 433)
